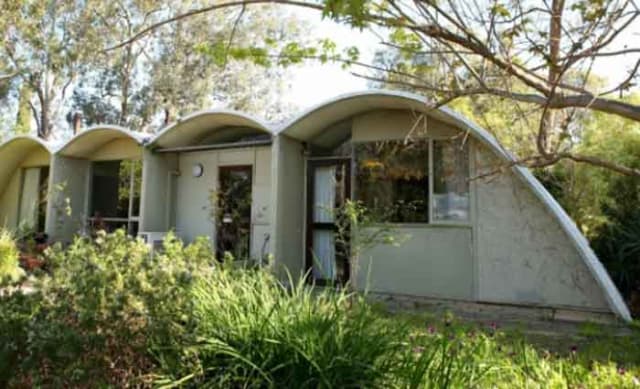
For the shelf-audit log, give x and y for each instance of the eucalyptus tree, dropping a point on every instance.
(45, 44)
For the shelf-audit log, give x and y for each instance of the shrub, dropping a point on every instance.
(106, 299)
(247, 330)
(10, 271)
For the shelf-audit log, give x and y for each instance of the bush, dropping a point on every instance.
(93, 319)
(10, 271)
(247, 330)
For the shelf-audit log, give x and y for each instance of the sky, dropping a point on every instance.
(313, 83)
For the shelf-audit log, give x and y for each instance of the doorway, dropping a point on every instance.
(328, 188)
(233, 218)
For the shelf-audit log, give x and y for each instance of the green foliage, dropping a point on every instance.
(353, 12)
(249, 330)
(10, 271)
(246, 329)
(113, 314)
(93, 320)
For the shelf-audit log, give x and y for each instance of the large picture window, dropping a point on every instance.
(393, 180)
(115, 195)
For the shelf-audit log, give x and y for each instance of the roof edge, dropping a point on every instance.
(262, 124)
(47, 146)
(139, 137)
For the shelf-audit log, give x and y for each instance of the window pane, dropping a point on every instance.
(450, 180)
(105, 192)
(324, 187)
(128, 167)
(392, 180)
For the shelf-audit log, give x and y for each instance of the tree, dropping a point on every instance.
(540, 55)
(53, 62)
(45, 43)
(152, 81)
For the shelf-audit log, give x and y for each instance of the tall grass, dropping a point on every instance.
(251, 331)
(248, 330)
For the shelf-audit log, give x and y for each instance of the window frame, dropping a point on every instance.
(431, 222)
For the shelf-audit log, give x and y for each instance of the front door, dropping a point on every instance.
(329, 186)
(233, 219)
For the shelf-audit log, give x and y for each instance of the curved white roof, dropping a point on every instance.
(311, 122)
(193, 128)
(84, 143)
(16, 150)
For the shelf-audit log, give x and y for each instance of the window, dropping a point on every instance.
(115, 195)
(450, 180)
(393, 180)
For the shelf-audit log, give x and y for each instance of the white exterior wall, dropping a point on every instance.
(524, 256)
(157, 208)
(9, 201)
(434, 261)
(193, 205)
(68, 184)
(289, 201)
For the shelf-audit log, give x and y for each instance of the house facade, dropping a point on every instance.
(471, 226)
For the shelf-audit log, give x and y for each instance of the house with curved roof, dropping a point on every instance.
(474, 226)
(95, 182)
(24, 177)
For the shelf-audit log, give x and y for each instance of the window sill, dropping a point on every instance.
(439, 224)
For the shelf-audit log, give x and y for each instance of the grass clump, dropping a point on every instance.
(248, 330)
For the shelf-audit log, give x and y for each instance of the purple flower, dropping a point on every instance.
(621, 370)
(574, 349)
(493, 326)
(431, 330)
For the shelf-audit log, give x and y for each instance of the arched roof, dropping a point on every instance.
(15, 151)
(215, 125)
(85, 143)
(311, 123)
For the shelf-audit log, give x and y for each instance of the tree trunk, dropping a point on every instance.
(555, 36)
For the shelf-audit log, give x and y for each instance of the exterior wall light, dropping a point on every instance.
(197, 170)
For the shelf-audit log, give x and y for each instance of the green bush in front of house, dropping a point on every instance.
(92, 321)
(10, 271)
